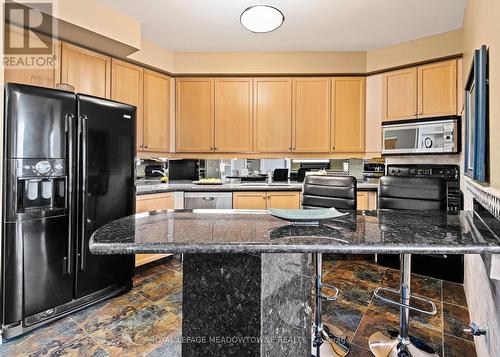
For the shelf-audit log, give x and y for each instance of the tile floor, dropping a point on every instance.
(147, 320)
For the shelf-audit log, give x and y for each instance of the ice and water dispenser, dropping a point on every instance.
(41, 185)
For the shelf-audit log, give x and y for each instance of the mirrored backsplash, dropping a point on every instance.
(248, 169)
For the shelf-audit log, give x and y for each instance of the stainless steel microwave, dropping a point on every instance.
(429, 137)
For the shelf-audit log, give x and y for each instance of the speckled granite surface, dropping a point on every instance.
(149, 187)
(238, 231)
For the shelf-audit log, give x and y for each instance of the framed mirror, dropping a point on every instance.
(476, 117)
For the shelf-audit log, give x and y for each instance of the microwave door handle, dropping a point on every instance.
(83, 196)
(70, 118)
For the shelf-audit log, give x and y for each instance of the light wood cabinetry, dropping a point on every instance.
(266, 200)
(233, 114)
(348, 114)
(156, 112)
(283, 200)
(400, 94)
(421, 92)
(311, 114)
(367, 200)
(42, 77)
(127, 87)
(273, 114)
(249, 200)
(437, 89)
(87, 71)
(194, 119)
(373, 118)
(152, 202)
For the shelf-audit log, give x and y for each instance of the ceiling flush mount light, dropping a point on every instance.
(261, 18)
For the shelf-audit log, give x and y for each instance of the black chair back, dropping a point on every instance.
(329, 191)
(411, 193)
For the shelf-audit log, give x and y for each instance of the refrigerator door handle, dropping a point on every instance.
(70, 118)
(83, 183)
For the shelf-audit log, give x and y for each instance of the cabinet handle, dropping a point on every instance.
(145, 146)
(215, 147)
(414, 114)
(289, 148)
(420, 113)
(333, 147)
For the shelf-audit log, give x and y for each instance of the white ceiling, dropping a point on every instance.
(310, 25)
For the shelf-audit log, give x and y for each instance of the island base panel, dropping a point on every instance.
(246, 305)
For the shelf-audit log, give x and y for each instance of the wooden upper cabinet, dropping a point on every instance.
(273, 114)
(156, 111)
(87, 71)
(194, 119)
(400, 94)
(437, 89)
(233, 114)
(421, 92)
(127, 87)
(42, 77)
(348, 114)
(311, 114)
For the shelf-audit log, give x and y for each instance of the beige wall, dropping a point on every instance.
(482, 27)
(154, 56)
(269, 62)
(422, 49)
(97, 17)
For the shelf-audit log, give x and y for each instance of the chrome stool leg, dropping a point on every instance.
(337, 345)
(402, 344)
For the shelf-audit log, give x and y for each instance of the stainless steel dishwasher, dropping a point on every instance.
(208, 200)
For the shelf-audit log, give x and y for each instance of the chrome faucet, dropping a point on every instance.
(163, 172)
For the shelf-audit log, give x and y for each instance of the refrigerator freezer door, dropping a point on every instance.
(35, 121)
(106, 187)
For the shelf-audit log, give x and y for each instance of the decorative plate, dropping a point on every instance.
(306, 215)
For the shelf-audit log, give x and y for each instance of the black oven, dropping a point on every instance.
(448, 267)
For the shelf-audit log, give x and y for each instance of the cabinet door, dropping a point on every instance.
(233, 114)
(437, 89)
(348, 114)
(362, 198)
(42, 77)
(146, 203)
(194, 120)
(249, 200)
(311, 114)
(156, 111)
(283, 200)
(87, 71)
(273, 114)
(127, 87)
(373, 119)
(400, 94)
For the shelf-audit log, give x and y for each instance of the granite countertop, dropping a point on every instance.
(239, 231)
(154, 186)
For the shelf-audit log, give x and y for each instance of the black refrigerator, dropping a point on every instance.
(68, 169)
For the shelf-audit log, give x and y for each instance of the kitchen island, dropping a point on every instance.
(245, 285)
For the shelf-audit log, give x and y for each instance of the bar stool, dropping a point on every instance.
(406, 193)
(327, 192)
